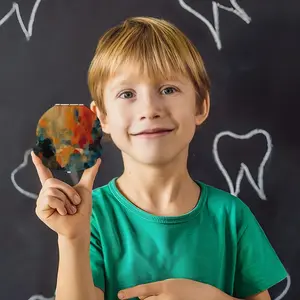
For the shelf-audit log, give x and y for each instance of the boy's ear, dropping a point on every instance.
(101, 116)
(203, 111)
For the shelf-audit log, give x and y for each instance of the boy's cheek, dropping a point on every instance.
(119, 134)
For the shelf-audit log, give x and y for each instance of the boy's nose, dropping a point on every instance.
(151, 116)
(151, 111)
(151, 108)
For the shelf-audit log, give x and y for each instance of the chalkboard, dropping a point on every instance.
(249, 146)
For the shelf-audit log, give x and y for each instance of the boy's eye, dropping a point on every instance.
(127, 95)
(168, 90)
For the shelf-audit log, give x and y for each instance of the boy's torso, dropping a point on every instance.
(138, 247)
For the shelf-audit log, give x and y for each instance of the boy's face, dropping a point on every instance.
(150, 122)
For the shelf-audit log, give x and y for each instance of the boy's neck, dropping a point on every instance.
(161, 190)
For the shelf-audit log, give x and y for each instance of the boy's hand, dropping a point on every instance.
(174, 289)
(57, 205)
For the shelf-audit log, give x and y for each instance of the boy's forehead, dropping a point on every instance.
(130, 73)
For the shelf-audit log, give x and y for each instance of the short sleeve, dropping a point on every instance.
(258, 267)
(96, 255)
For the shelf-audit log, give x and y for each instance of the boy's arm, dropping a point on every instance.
(258, 266)
(100, 295)
(74, 280)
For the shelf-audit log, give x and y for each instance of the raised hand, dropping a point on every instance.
(63, 208)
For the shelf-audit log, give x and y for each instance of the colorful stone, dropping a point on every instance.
(68, 138)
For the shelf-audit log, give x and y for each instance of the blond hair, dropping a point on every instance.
(158, 47)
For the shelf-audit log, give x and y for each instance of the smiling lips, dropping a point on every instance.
(155, 132)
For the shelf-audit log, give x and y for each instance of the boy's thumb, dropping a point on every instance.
(88, 176)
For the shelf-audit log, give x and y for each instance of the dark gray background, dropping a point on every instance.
(255, 85)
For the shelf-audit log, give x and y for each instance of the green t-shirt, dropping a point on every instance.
(219, 242)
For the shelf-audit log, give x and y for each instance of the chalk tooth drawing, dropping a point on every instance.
(16, 170)
(16, 9)
(215, 29)
(244, 170)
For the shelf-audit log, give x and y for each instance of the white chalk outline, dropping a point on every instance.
(244, 169)
(16, 9)
(16, 170)
(215, 29)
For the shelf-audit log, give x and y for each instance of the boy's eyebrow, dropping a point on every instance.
(121, 82)
(117, 83)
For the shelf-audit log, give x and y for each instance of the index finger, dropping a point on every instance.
(142, 290)
(43, 172)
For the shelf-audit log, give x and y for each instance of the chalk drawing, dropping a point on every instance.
(16, 170)
(215, 29)
(16, 9)
(244, 170)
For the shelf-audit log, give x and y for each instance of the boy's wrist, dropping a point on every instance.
(82, 241)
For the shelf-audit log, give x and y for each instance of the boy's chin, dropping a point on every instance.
(154, 159)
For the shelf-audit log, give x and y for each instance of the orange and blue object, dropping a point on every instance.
(68, 138)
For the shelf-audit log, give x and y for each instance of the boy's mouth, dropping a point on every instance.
(153, 132)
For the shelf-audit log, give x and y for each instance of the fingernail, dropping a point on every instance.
(76, 199)
(120, 295)
(73, 209)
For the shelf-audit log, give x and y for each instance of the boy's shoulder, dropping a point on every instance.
(226, 208)
(101, 191)
(217, 198)
(103, 195)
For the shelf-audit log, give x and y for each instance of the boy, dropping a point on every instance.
(153, 232)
